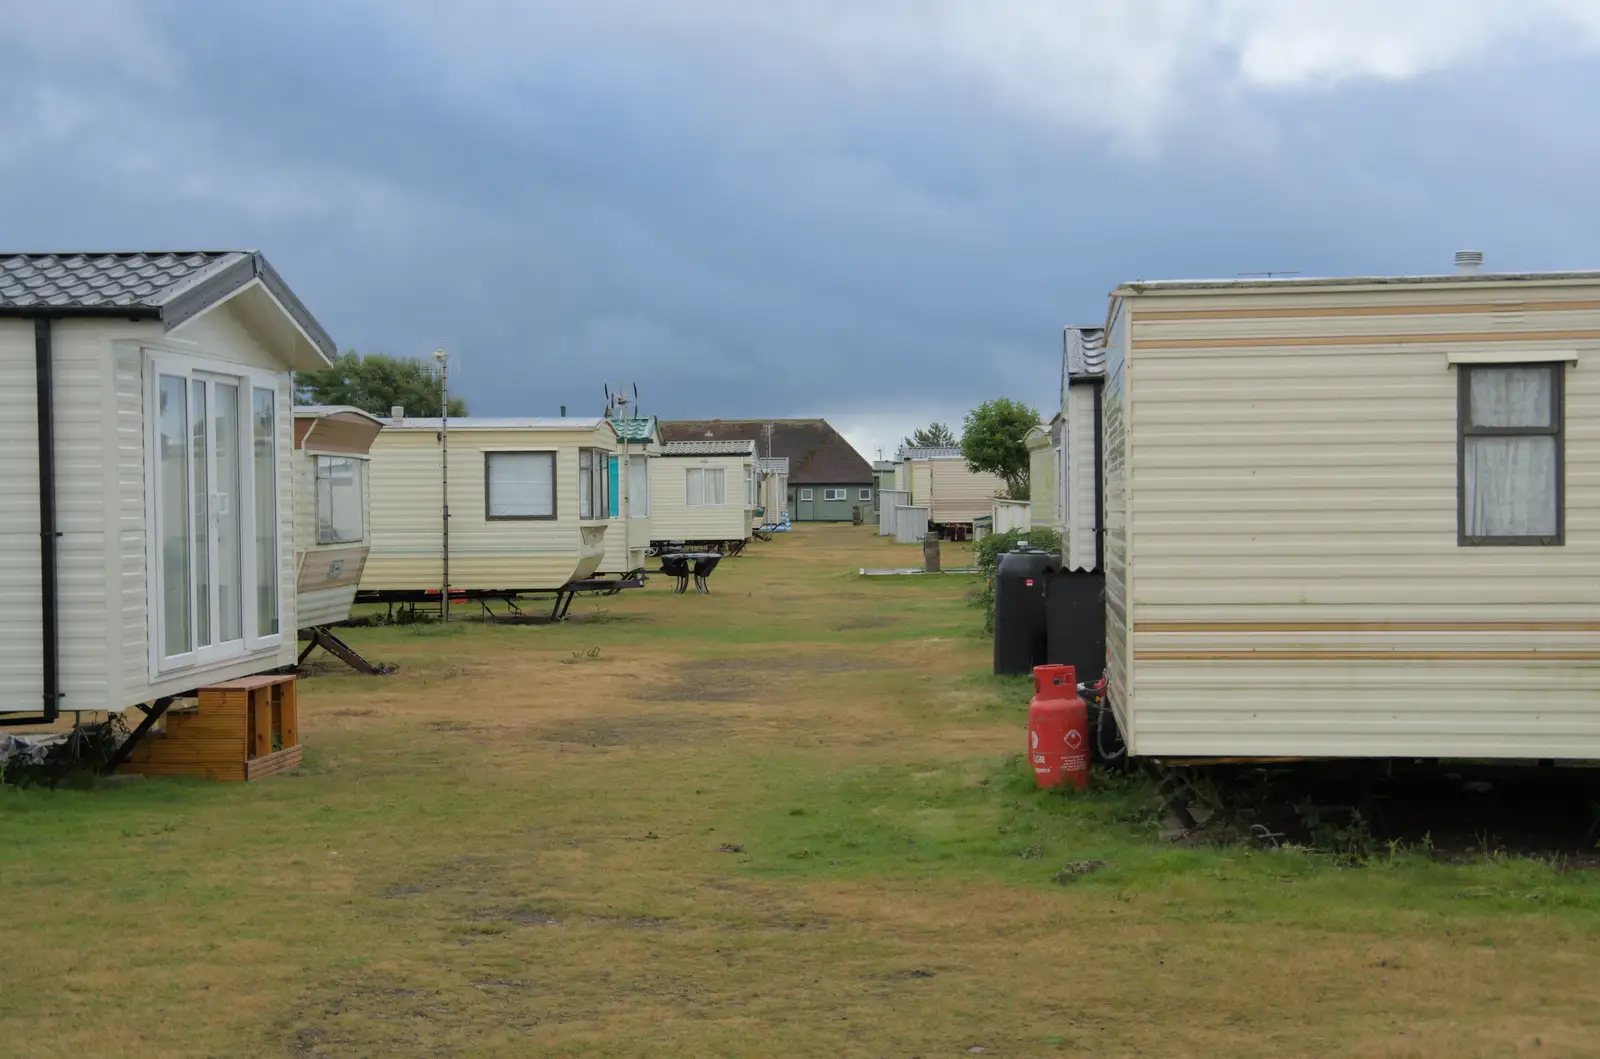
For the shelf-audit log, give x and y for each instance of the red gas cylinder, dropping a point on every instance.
(1058, 729)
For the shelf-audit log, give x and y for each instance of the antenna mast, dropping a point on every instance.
(444, 475)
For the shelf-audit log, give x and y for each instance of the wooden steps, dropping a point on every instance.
(239, 730)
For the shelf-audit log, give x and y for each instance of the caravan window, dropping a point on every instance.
(1510, 458)
(705, 487)
(213, 519)
(339, 519)
(519, 485)
(594, 489)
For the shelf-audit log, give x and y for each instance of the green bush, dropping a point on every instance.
(986, 555)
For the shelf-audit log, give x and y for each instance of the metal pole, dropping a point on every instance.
(444, 475)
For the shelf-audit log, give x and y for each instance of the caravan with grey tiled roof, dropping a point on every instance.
(147, 539)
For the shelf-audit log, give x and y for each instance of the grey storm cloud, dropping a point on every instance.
(882, 211)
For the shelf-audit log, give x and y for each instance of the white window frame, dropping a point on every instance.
(828, 496)
(864, 496)
(806, 494)
(689, 499)
(598, 476)
(156, 363)
(363, 468)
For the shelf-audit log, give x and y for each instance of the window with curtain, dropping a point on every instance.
(1511, 454)
(594, 490)
(519, 485)
(339, 516)
(705, 487)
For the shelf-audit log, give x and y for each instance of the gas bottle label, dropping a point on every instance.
(1074, 739)
(1034, 737)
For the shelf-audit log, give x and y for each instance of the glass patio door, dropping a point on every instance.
(199, 510)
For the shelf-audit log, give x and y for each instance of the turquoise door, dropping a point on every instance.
(616, 503)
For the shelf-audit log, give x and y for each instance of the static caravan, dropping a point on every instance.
(331, 452)
(529, 506)
(628, 539)
(1076, 439)
(148, 544)
(1355, 517)
(703, 494)
(939, 480)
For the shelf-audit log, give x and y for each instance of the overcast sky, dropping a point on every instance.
(881, 211)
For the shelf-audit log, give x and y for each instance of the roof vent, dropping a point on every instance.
(1467, 261)
(397, 411)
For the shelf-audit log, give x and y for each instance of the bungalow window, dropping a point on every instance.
(594, 488)
(864, 494)
(339, 519)
(834, 494)
(705, 487)
(805, 494)
(519, 485)
(1511, 455)
(213, 514)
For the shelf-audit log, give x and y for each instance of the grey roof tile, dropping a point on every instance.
(1085, 351)
(113, 280)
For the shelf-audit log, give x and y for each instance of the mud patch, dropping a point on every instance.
(468, 875)
(632, 731)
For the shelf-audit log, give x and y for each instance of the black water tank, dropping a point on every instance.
(1075, 622)
(1019, 608)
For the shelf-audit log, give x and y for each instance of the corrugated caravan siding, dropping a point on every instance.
(1115, 413)
(671, 518)
(1082, 516)
(21, 681)
(1300, 587)
(960, 495)
(132, 617)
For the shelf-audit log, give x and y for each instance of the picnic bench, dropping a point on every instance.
(686, 565)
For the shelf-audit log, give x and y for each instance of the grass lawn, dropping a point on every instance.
(789, 818)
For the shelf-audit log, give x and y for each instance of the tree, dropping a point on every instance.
(375, 383)
(932, 436)
(993, 439)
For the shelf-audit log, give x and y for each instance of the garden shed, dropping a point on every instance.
(147, 543)
(1355, 517)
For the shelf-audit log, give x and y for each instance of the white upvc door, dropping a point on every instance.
(212, 513)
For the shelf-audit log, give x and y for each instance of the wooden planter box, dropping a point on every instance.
(241, 730)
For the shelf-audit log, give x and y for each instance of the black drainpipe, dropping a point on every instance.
(1099, 485)
(49, 589)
